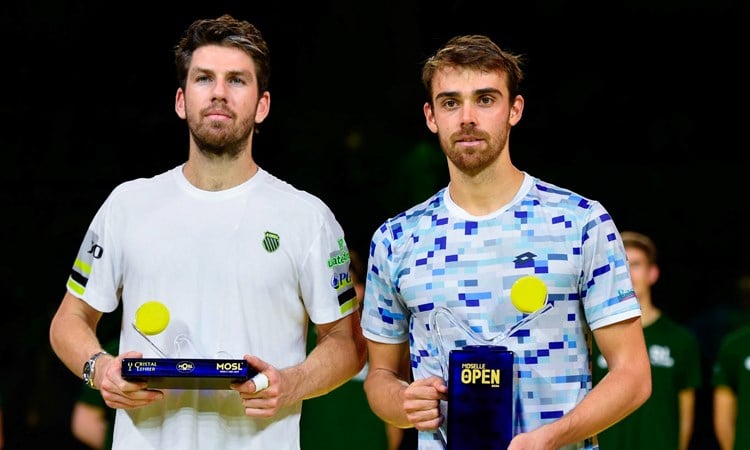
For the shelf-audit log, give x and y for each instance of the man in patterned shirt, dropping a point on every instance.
(463, 248)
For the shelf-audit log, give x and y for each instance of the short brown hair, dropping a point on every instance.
(226, 31)
(641, 242)
(476, 52)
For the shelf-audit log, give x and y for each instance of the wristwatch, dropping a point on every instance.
(89, 367)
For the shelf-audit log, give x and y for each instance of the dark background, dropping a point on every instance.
(641, 105)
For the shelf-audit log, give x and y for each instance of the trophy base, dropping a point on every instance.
(187, 373)
(480, 398)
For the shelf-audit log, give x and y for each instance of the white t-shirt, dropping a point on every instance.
(239, 270)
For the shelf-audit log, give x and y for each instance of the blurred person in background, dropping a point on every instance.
(666, 420)
(2, 432)
(731, 399)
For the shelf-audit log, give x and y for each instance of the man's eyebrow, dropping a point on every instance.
(237, 72)
(476, 93)
(446, 95)
(484, 91)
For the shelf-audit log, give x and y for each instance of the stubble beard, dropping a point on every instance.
(219, 139)
(473, 161)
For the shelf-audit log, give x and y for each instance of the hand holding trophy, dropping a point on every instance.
(481, 374)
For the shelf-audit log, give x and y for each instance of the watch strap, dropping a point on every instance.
(89, 369)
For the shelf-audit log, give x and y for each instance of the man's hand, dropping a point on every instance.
(422, 402)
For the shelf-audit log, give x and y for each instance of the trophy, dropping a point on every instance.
(481, 373)
(179, 371)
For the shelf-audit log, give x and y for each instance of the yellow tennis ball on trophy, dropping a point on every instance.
(528, 294)
(152, 317)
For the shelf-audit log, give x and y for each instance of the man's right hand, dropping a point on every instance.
(422, 402)
(120, 393)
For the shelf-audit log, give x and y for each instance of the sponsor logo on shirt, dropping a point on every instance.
(660, 356)
(339, 257)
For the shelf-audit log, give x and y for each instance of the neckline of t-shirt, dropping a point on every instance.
(528, 182)
(189, 188)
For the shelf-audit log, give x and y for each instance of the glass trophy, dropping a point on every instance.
(481, 374)
(180, 368)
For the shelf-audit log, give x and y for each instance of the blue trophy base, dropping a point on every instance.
(187, 373)
(480, 398)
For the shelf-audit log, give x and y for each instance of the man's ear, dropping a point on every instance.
(516, 110)
(429, 116)
(264, 107)
(179, 103)
(653, 273)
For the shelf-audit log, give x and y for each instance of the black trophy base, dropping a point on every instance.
(187, 373)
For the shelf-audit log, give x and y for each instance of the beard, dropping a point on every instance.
(472, 161)
(219, 138)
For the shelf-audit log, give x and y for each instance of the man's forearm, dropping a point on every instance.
(384, 393)
(336, 358)
(615, 397)
(72, 335)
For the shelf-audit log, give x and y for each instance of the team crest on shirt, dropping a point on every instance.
(271, 241)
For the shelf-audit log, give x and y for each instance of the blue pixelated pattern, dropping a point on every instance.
(434, 255)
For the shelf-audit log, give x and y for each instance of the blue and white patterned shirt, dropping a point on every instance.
(436, 255)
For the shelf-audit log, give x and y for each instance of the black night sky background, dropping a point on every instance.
(641, 105)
